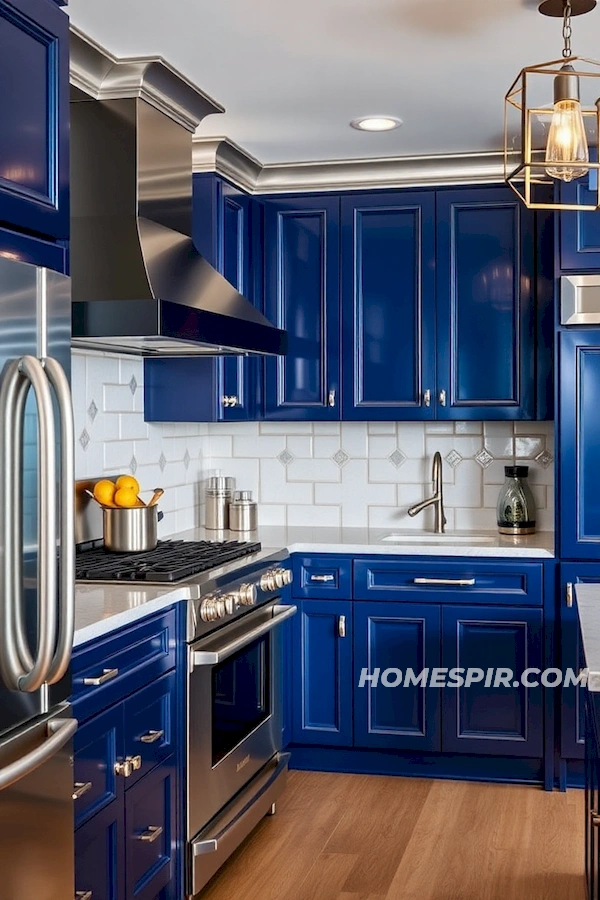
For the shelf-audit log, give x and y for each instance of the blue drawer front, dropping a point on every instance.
(320, 577)
(150, 807)
(98, 745)
(100, 856)
(149, 725)
(494, 582)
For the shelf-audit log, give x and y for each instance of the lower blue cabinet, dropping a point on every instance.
(100, 856)
(483, 719)
(389, 640)
(149, 725)
(150, 833)
(97, 750)
(322, 702)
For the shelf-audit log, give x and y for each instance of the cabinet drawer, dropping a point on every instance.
(449, 581)
(97, 748)
(149, 718)
(322, 577)
(150, 833)
(111, 669)
(100, 856)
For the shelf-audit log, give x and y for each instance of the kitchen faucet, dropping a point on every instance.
(438, 497)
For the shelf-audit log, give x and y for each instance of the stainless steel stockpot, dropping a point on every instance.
(131, 530)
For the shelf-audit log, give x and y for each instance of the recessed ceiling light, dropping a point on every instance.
(376, 123)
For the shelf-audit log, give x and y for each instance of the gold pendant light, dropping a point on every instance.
(550, 128)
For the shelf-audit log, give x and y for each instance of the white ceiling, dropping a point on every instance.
(293, 73)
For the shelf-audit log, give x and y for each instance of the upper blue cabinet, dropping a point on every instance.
(485, 306)
(301, 246)
(579, 231)
(34, 117)
(388, 305)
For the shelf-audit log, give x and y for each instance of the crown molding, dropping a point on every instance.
(102, 76)
(219, 154)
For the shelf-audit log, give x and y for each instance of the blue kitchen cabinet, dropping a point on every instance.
(301, 285)
(322, 686)
(34, 117)
(100, 856)
(98, 748)
(482, 719)
(485, 306)
(396, 713)
(35, 251)
(150, 835)
(388, 305)
(579, 441)
(212, 388)
(579, 232)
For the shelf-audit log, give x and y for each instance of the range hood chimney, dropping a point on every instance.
(139, 285)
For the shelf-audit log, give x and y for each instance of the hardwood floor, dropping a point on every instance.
(358, 837)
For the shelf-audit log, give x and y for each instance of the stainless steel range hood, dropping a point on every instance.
(138, 283)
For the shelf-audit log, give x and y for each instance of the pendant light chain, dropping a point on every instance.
(567, 29)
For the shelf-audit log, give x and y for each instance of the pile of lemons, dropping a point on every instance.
(120, 493)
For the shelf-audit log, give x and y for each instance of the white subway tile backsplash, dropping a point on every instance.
(275, 488)
(301, 445)
(313, 470)
(326, 516)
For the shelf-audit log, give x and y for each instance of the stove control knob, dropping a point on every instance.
(288, 576)
(247, 594)
(221, 608)
(267, 582)
(279, 575)
(231, 603)
(209, 609)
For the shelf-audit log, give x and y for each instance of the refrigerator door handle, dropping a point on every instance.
(59, 731)
(66, 588)
(19, 670)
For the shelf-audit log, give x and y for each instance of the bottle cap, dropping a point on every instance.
(242, 497)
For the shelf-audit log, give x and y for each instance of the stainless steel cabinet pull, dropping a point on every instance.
(124, 768)
(569, 595)
(154, 832)
(426, 398)
(136, 763)
(442, 397)
(107, 675)
(83, 895)
(455, 582)
(80, 788)
(152, 737)
(322, 578)
(213, 654)
(331, 398)
(58, 731)
(233, 401)
(595, 818)
(342, 626)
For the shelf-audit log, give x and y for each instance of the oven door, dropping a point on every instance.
(234, 710)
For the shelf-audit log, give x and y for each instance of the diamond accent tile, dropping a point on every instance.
(133, 385)
(484, 458)
(340, 457)
(162, 462)
(286, 457)
(453, 459)
(397, 458)
(544, 458)
(84, 439)
(92, 411)
(133, 465)
(187, 459)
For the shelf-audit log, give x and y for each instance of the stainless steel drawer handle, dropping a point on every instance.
(80, 788)
(153, 833)
(83, 895)
(107, 675)
(152, 737)
(454, 582)
(58, 732)
(322, 578)
(215, 652)
(342, 626)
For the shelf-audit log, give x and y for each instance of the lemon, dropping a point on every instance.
(126, 497)
(128, 482)
(104, 492)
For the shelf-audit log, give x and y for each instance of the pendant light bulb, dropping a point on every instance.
(567, 149)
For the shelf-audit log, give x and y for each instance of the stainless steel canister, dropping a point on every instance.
(131, 530)
(243, 512)
(218, 497)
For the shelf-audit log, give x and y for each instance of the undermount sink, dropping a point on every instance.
(437, 539)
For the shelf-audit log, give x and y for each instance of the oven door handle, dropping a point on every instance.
(216, 655)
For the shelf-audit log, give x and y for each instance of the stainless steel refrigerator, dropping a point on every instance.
(36, 585)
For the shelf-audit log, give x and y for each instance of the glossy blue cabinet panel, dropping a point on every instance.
(579, 231)
(301, 241)
(322, 577)
(34, 251)
(485, 308)
(34, 117)
(388, 305)
(150, 725)
(98, 746)
(502, 721)
(100, 855)
(323, 673)
(572, 708)
(579, 442)
(149, 806)
(398, 637)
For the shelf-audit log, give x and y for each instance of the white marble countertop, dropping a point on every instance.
(102, 608)
(588, 608)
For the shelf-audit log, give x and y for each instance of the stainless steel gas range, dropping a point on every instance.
(235, 770)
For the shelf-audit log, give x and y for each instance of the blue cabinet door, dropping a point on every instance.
(34, 251)
(100, 855)
(34, 117)
(485, 306)
(481, 719)
(388, 305)
(579, 457)
(149, 730)
(150, 811)
(389, 640)
(98, 747)
(579, 232)
(322, 684)
(301, 241)
(572, 708)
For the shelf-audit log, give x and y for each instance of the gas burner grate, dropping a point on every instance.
(171, 561)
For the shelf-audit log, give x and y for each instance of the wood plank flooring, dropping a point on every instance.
(359, 837)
